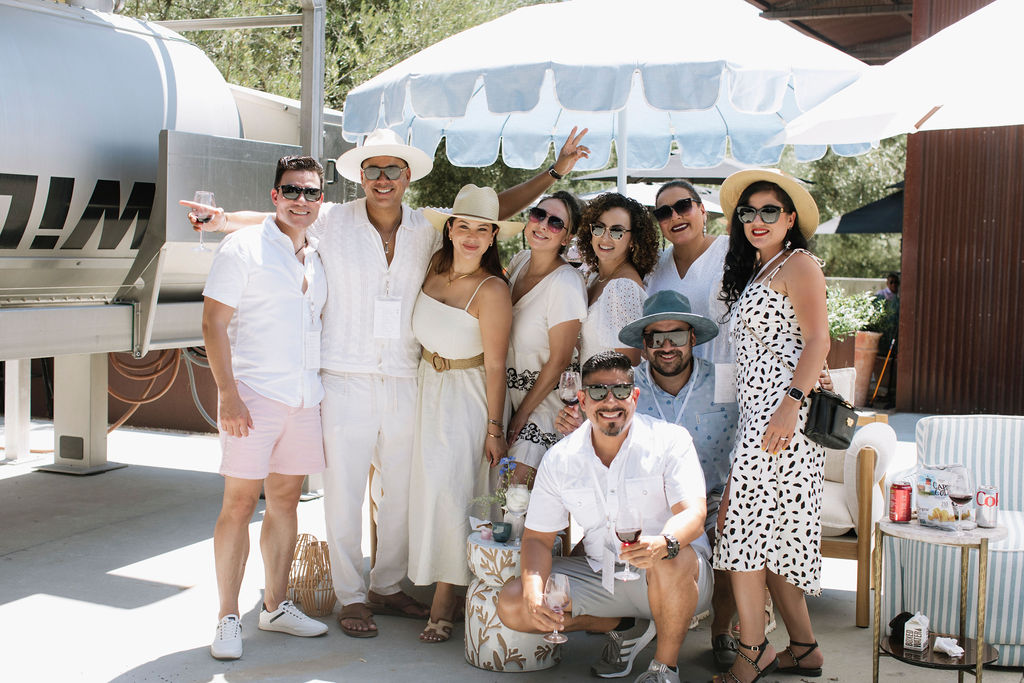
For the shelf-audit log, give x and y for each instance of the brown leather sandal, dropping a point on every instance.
(398, 604)
(437, 631)
(357, 611)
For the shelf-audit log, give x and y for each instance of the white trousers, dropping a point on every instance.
(367, 418)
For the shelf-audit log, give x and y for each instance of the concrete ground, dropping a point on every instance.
(110, 577)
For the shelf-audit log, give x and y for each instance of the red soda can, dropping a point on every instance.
(899, 501)
(987, 503)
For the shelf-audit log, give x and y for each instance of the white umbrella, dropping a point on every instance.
(965, 76)
(672, 170)
(695, 72)
(646, 193)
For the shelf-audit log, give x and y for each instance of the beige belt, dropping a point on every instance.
(440, 363)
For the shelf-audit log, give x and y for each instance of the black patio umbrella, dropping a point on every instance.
(884, 215)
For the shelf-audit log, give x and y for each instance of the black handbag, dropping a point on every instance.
(831, 419)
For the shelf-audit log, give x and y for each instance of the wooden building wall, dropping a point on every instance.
(961, 344)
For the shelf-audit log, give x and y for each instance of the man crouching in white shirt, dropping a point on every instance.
(616, 460)
(261, 324)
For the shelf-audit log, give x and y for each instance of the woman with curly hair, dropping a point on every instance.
(549, 303)
(619, 245)
(771, 531)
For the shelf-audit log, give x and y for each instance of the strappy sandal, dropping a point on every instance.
(398, 604)
(437, 631)
(796, 668)
(761, 673)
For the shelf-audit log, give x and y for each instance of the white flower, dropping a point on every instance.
(517, 498)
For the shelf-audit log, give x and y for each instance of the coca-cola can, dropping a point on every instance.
(986, 502)
(899, 501)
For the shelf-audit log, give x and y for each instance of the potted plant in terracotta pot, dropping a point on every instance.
(852, 323)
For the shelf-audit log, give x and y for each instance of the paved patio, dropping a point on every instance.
(110, 577)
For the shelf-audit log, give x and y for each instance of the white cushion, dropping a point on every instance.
(835, 515)
(835, 461)
(882, 438)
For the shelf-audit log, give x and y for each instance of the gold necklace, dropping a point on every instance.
(460, 276)
(601, 281)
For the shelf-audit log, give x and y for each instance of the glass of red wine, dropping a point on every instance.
(960, 491)
(556, 597)
(569, 385)
(201, 216)
(627, 529)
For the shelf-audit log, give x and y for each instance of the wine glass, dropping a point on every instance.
(627, 528)
(960, 491)
(556, 597)
(517, 501)
(569, 385)
(201, 216)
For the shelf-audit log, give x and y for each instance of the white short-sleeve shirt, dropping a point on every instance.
(359, 274)
(276, 327)
(655, 468)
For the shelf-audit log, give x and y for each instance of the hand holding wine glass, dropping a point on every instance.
(557, 598)
(569, 385)
(960, 491)
(627, 529)
(201, 216)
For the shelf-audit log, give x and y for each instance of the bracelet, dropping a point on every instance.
(496, 423)
(496, 436)
(553, 173)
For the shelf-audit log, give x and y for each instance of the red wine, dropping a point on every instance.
(203, 219)
(571, 402)
(628, 536)
(960, 499)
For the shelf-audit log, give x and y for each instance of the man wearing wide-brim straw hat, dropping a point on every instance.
(375, 251)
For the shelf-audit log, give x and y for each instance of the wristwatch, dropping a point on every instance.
(672, 546)
(796, 394)
(553, 173)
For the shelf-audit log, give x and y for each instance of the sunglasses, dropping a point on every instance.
(655, 340)
(390, 172)
(598, 392)
(769, 214)
(663, 213)
(555, 224)
(616, 232)
(292, 192)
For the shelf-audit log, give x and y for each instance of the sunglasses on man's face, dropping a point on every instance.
(663, 213)
(655, 340)
(390, 172)
(769, 213)
(555, 224)
(598, 392)
(616, 232)
(292, 192)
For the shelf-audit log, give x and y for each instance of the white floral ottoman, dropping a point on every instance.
(489, 644)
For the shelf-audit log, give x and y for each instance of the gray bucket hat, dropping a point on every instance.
(667, 305)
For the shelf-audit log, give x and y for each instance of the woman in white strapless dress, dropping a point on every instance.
(462, 319)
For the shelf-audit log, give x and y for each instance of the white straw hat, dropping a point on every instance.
(384, 142)
(806, 208)
(475, 204)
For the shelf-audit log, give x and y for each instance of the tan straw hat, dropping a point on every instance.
(806, 209)
(475, 204)
(384, 142)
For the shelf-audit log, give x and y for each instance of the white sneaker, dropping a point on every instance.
(287, 618)
(227, 644)
(658, 673)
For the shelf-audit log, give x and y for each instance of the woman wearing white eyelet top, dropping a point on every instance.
(462, 318)
(619, 244)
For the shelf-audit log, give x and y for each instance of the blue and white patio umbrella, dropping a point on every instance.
(644, 73)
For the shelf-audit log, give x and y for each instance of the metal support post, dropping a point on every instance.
(80, 415)
(311, 121)
(17, 409)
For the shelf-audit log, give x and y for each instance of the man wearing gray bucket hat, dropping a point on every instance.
(375, 252)
(677, 387)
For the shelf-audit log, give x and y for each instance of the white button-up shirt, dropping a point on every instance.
(353, 256)
(276, 327)
(655, 468)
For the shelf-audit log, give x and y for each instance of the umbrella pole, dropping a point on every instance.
(621, 145)
(882, 373)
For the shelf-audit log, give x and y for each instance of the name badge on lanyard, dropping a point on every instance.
(387, 317)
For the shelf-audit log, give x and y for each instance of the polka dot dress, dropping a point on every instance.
(774, 515)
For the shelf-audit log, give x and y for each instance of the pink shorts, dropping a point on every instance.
(283, 440)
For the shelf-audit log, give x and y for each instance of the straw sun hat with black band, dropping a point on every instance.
(806, 208)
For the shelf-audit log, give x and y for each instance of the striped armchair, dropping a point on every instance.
(923, 577)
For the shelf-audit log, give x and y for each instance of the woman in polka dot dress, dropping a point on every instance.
(775, 292)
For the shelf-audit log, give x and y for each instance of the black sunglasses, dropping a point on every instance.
(598, 392)
(655, 340)
(616, 232)
(390, 172)
(769, 213)
(292, 192)
(555, 224)
(663, 213)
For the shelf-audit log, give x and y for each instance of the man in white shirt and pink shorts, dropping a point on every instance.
(261, 324)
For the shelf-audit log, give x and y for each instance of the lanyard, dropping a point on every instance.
(682, 408)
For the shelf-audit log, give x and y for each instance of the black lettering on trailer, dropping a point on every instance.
(22, 191)
(55, 215)
(105, 203)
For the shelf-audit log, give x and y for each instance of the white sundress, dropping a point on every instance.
(621, 302)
